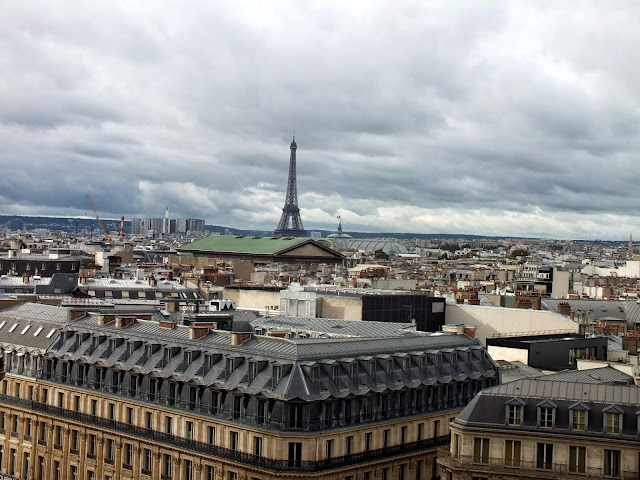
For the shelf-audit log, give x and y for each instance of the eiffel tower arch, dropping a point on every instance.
(290, 224)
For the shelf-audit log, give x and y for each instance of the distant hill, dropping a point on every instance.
(88, 225)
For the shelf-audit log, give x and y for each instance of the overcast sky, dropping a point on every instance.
(490, 118)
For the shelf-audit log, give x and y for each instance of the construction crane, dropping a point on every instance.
(121, 225)
(95, 212)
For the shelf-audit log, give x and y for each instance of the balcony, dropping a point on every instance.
(525, 469)
(429, 444)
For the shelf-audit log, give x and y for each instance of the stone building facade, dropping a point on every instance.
(115, 397)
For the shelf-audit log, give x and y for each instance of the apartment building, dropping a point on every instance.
(540, 429)
(114, 397)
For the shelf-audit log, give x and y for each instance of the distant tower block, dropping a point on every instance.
(290, 223)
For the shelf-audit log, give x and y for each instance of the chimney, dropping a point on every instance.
(166, 324)
(75, 314)
(25, 277)
(470, 331)
(105, 319)
(564, 308)
(123, 322)
(201, 329)
(277, 334)
(238, 338)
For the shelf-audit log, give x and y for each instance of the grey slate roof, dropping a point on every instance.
(295, 356)
(511, 371)
(40, 319)
(597, 309)
(604, 375)
(487, 409)
(333, 327)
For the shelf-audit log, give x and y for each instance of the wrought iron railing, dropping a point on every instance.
(531, 469)
(226, 453)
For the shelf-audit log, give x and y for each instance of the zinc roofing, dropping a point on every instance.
(242, 244)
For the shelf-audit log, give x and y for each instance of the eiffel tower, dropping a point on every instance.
(291, 212)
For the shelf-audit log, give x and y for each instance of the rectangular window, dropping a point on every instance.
(211, 435)
(166, 465)
(168, 425)
(92, 446)
(295, 454)
(348, 447)
(329, 449)
(130, 416)
(76, 403)
(544, 456)
(512, 451)
(612, 463)
(75, 441)
(233, 440)
(403, 435)
(546, 417)
(367, 441)
(112, 411)
(189, 430)
(613, 422)
(148, 420)
(110, 452)
(128, 456)
(188, 470)
(481, 450)
(257, 446)
(94, 407)
(211, 473)
(457, 446)
(386, 434)
(436, 428)
(58, 437)
(420, 431)
(514, 415)
(146, 461)
(577, 462)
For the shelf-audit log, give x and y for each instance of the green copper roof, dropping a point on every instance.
(232, 244)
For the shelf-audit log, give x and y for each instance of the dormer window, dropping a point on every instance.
(277, 374)
(579, 416)
(437, 359)
(547, 414)
(514, 412)
(335, 372)
(453, 359)
(406, 364)
(388, 366)
(612, 419)
(253, 370)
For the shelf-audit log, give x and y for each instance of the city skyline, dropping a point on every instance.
(488, 119)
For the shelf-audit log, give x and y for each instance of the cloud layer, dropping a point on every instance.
(496, 118)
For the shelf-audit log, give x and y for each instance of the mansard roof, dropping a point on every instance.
(296, 358)
(598, 399)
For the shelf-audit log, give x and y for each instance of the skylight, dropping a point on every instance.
(35, 334)
(50, 334)
(25, 329)
(15, 325)
(3, 324)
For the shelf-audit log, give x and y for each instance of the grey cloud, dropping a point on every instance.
(467, 117)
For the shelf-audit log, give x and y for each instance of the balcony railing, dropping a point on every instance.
(529, 469)
(226, 453)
